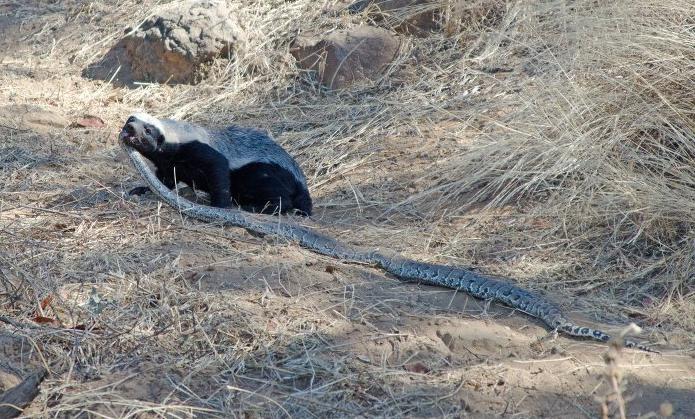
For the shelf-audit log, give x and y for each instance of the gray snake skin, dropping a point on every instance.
(459, 279)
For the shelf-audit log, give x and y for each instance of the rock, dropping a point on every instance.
(32, 117)
(417, 17)
(88, 121)
(173, 45)
(347, 57)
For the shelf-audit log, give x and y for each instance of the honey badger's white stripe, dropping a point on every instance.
(148, 119)
(405, 269)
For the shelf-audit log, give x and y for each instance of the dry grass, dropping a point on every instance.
(602, 135)
(548, 141)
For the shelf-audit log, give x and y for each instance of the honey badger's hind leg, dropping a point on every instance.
(268, 188)
(302, 203)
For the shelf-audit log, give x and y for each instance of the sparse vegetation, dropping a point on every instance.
(550, 142)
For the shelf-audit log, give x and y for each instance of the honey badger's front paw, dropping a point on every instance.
(140, 190)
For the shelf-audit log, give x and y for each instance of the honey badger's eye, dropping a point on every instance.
(148, 131)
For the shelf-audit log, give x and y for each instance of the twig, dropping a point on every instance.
(17, 324)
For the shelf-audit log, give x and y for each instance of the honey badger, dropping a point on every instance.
(235, 165)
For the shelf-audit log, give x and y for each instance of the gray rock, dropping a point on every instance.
(173, 45)
(347, 57)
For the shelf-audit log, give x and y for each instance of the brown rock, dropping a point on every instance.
(347, 57)
(88, 121)
(172, 46)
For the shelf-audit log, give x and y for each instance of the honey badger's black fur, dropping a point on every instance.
(234, 165)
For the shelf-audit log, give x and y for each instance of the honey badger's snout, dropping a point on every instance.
(129, 129)
(135, 134)
(129, 132)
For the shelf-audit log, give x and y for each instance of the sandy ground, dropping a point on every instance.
(159, 316)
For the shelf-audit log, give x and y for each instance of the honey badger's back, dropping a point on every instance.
(239, 145)
(242, 146)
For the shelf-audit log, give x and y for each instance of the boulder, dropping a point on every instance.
(173, 45)
(347, 57)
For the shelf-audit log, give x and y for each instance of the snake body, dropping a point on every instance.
(460, 279)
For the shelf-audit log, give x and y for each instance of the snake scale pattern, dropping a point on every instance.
(459, 279)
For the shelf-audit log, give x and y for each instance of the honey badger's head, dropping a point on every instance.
(144, 133)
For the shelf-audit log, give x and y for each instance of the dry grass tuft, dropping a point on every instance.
(599, 140)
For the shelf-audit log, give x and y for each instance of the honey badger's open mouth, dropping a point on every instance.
(124, 136)
(128, 135)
